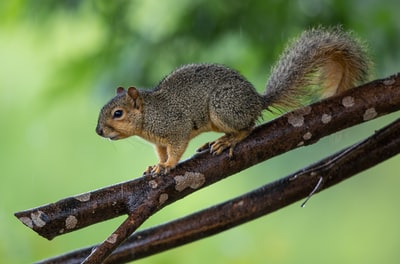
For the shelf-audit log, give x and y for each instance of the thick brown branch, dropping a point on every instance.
(301, 127)
(332, 170)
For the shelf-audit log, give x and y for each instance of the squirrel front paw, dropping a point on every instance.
(158, 169)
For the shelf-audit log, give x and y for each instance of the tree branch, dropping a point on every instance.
(146, 194)
(264, 200)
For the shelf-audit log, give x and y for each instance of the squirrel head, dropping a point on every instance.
(122, 116)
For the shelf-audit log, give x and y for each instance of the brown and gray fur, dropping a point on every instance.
(208, 97)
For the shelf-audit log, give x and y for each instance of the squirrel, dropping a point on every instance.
(196, 98)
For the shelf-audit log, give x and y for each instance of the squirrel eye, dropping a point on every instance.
(117, 114)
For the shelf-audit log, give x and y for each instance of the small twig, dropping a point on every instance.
(384, 144)
(313, 191)
(333, 161)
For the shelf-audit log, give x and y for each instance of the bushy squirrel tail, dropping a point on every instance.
(321, 61)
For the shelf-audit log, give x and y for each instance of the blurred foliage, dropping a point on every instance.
(61, 60)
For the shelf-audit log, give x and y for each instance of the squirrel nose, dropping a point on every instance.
(99, 130)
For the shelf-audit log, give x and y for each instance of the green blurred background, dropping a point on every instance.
(61, 61)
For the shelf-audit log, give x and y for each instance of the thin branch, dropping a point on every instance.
(300, 127)
(381, 146)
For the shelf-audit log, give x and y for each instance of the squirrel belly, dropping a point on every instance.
(196, 98)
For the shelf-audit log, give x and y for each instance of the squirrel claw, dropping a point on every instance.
(231, 152)
(218, 146)
(148, 170)
(206, 146)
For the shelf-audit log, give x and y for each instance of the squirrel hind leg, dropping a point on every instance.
(235, 129)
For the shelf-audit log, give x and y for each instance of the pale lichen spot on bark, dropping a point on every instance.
(348, 101)
(296, 118)
(326, 118)
(38, 218)
(112, 239)
(307, 136)
(163, 198)
(70, 222)
(301, 143)
(153, 184)
(369, 114)
(83, 197)
(193, 180)
(26, 221)
(239, 204)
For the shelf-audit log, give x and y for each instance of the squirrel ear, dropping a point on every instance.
(134, 95)
(120, 90)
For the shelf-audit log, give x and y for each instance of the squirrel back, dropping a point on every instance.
(209, 97)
